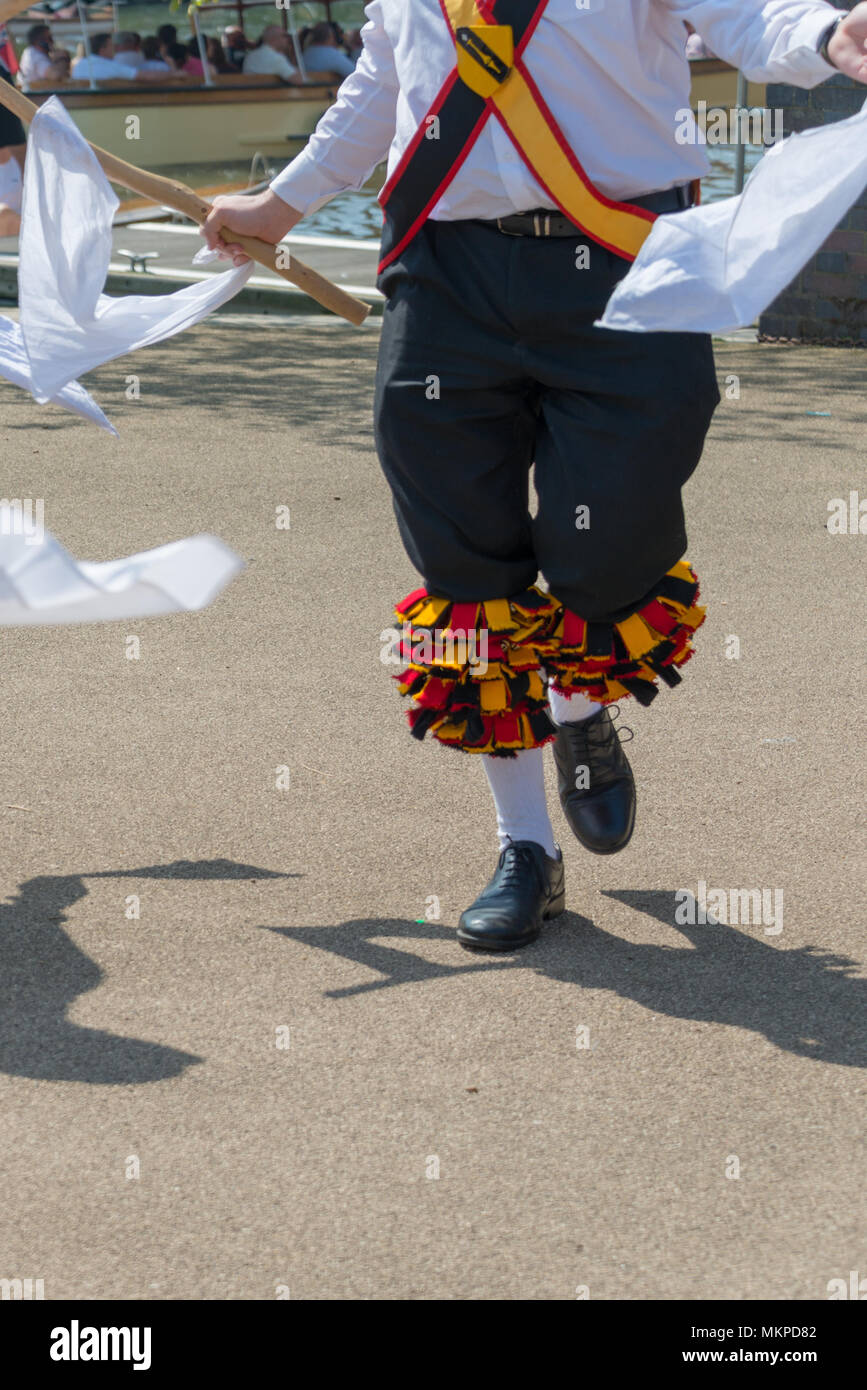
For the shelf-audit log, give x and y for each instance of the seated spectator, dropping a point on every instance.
(128, 50)
(166, 34)
(179, 60)
(102, 67)
(35, 63)
(322, 51)
(236, 46)
(194, 62)
(271, 56)
(151, 53)
(61, 59)
(217, 60)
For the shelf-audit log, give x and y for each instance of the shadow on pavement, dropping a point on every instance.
(42, 972)
(277, 378)
(803, 1000)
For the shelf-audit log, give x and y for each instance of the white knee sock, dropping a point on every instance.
(570, 709)
(518, 787)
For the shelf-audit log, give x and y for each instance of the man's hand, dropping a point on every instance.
(263, 215)
(848, 48)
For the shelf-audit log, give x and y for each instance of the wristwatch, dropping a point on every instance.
(826, 39)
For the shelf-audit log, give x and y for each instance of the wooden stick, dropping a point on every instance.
(186, 200)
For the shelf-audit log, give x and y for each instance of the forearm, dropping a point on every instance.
(768, 40)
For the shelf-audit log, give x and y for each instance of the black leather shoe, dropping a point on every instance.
(526, 888)
(602, 814)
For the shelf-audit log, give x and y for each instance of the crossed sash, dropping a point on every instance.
(490, 78)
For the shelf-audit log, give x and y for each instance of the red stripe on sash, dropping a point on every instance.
(438, 192)
(570, 155)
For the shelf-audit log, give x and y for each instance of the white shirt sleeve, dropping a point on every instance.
(355, 134)
(769, 40)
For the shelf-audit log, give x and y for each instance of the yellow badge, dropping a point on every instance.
(486, 53)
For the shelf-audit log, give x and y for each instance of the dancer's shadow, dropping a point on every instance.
(42, 972)
(803, 1000)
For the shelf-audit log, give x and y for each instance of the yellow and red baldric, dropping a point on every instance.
(490, 78)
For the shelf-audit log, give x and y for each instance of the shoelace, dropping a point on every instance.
(597, 735)
(512, 859)
(623, 728)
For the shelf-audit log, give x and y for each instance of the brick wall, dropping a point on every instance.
(827, 302)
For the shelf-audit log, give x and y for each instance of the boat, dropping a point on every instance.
(715, 83)
(190, 120)
(173, 124)
(227, 117)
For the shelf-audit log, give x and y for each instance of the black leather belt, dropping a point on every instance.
(544, 223)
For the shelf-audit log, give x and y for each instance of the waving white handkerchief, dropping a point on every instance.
(42, 583)
(68, 324)
(715, 268)
(15, 367)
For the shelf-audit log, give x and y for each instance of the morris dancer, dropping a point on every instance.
(530, 146)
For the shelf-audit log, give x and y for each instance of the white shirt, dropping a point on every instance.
(265, 59)
(130, 57)
(101, 69)
(614, 74)
(34, 65)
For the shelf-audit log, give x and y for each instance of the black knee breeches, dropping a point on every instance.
(490, 364)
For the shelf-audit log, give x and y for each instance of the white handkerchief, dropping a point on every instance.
(715, 268)
(15, 367)
(69, 325)
(42, 583)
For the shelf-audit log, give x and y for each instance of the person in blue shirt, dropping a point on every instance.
(324, 53)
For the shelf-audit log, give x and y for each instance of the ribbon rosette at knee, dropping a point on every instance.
(67, 325)
(609, 661)
(474, 670)
(477, 672)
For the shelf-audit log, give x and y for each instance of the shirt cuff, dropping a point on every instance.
(305, 185)
(804, 53)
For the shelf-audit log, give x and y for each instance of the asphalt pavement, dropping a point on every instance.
(241, 1050)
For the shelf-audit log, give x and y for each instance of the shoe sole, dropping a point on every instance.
(471, 943)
